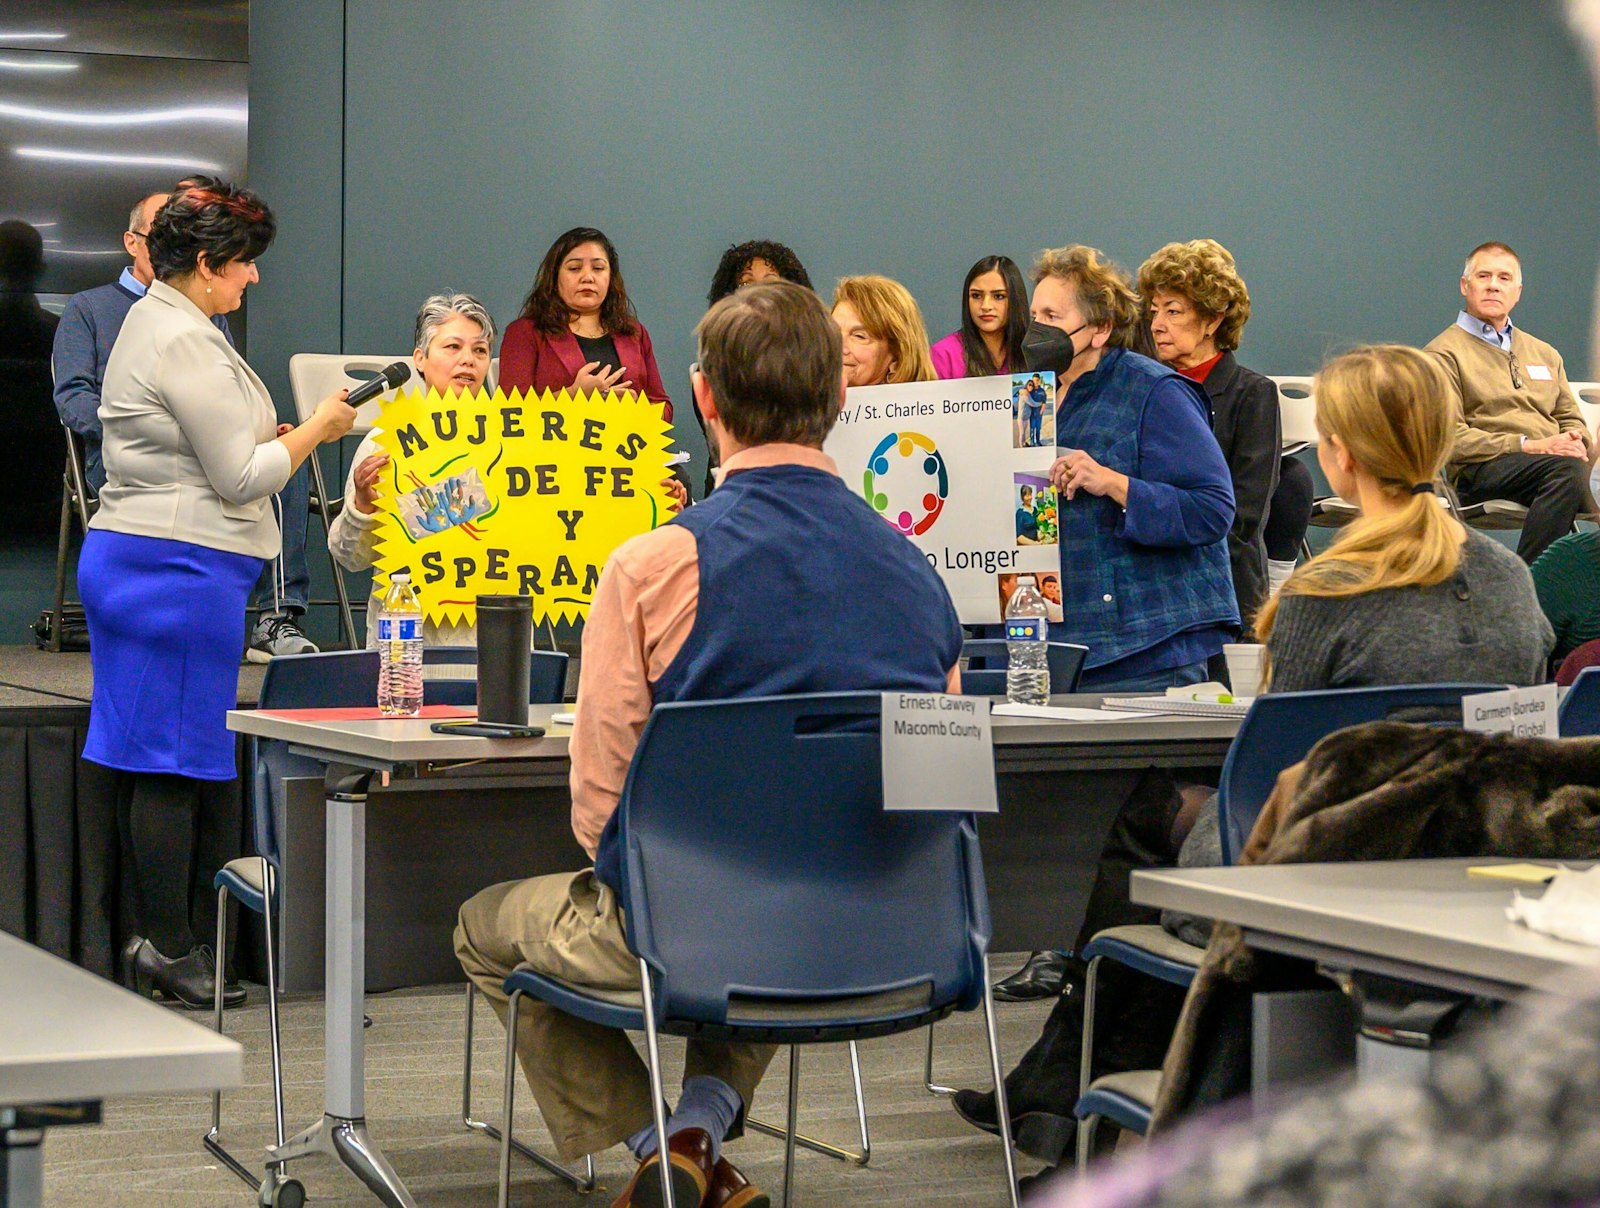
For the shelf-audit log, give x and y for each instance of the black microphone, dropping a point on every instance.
(387, 379)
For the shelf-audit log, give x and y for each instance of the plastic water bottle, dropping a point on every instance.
(400, 650)
(1027, 632)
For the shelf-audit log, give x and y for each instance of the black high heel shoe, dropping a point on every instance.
(186, 980)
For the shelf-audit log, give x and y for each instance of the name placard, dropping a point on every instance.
(938, 753)
(1525, 712)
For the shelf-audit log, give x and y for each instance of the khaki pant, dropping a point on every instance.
(590, 1084)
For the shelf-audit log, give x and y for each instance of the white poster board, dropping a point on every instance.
(960, 467)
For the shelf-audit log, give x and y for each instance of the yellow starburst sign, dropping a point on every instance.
(515, 494)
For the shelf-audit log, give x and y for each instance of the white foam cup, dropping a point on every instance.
(1244, 667)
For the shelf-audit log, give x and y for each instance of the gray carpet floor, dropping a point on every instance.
(148, 1149)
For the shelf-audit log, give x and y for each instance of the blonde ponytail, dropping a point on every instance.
(1388, 405)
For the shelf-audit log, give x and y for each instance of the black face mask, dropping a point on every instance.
(1048, 348)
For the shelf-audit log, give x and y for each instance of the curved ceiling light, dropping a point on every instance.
(45, 64)
(30, 36)
(131, 161)
(229, 114)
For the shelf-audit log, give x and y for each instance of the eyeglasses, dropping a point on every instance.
(140, 234)
(1516, 372)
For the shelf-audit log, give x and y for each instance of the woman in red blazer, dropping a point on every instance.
(577, 330)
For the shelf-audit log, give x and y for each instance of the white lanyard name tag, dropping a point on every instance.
(1525, 712)
(938, 753)
(1539, 373)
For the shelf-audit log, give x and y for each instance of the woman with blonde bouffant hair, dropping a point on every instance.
(1407, 593)
(885, 340)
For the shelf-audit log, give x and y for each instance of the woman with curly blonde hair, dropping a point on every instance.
(885, 340)
(1197, 305)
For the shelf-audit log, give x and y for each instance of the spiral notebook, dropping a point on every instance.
(1188, 708)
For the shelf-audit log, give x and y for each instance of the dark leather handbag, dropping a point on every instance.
(74, 629)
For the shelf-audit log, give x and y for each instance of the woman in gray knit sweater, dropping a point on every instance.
(1407, 594)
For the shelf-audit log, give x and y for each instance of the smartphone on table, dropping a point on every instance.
(487, 729)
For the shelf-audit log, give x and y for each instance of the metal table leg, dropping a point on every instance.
(21, 1163)
(342, 1131)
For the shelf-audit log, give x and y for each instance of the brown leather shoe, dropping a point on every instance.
(689, 1153)
(730, 1189)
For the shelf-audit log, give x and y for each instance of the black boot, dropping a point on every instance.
(1046, 1135)
(187, 980)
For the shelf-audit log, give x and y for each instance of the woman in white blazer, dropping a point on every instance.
(193, 454)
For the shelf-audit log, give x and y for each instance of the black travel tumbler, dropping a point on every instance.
(505, 636)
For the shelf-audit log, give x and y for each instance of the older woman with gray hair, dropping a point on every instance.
(454, 338)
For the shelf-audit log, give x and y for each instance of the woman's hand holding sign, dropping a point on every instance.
(1077, 471)
(366, 479)
(679, 493)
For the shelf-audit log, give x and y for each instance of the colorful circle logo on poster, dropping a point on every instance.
(906, 482)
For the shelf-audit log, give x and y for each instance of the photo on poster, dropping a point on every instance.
(1033, 411)
(1050, 589)
(1048, 583)
(1035, 501)
(443, 505)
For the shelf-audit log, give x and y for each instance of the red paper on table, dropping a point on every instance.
(371, 714)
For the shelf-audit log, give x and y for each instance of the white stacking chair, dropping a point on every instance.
(1588, 396)
(312, 377)
(1297, 409)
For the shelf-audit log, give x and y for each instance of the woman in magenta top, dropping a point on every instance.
(994, 314)
(577, 330)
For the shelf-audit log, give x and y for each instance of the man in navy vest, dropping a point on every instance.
(83, 342)
(782, 581)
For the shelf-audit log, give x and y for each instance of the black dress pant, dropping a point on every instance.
(1553, 489)
(1289, 513)
(1135, 1014)
(159, 817)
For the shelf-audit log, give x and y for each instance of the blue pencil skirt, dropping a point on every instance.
(166, 629)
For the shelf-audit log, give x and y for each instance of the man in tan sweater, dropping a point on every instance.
(1519, 434)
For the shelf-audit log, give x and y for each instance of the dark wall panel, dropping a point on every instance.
(1348, 152)
(297, 164)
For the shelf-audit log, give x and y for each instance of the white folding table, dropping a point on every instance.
(69, 1039)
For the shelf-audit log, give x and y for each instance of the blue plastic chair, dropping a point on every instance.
(1279, 730)
(985, 672)
(855, 922)
(547, 681)
(985, 675)
(1579, 714)
(334, 679)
